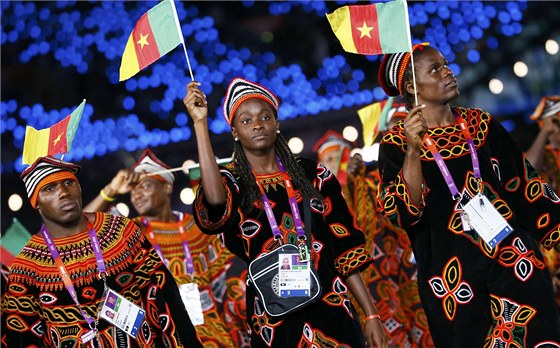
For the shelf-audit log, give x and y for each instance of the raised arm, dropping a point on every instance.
(356, 167)
(535, 154)
(121, 184)
(211, 179)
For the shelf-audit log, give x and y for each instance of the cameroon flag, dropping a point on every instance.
(54, 140)
(156, 33)
(372, 29)
(374, 119)
(12, 241)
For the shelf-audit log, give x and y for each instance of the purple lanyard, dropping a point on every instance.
(64, 273)
(441, 163)
(293, 206)
(189, 264)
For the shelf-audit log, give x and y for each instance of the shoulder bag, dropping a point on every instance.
(263, 275)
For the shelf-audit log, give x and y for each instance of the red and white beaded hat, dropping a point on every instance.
(149, 163)
(240, 90)
(548, 106)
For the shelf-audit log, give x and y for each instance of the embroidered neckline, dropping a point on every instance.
(270, 180)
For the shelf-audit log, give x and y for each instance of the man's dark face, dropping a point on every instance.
(60, 201)
(149, 196)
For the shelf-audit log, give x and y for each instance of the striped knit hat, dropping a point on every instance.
(392, 69)
(46, 170)
(149, 163)
(240, 90)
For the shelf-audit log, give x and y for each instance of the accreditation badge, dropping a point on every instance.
(191, 299)
(486, 220)
(122, 313)
(294, 275)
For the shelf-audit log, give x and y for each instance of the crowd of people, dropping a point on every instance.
(440, 245)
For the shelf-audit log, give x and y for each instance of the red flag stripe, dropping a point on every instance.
(368, 15)
(149, 53)
(342, 174)
(57, 137)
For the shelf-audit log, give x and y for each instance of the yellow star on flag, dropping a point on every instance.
(144, 40)
(55, 141)
(365, 30)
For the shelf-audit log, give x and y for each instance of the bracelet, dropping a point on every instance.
(106, 197)
(373, 316)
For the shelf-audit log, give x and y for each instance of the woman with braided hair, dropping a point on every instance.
(474, 209)
(256, 203)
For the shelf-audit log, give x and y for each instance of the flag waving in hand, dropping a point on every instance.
(156, 33)
(54, 140)
(372, 29)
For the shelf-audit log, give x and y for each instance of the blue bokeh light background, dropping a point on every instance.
(85, 37)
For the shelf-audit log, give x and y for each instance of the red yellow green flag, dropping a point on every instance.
(374, 118)
(155, 34)
(12, 241)
(54, 140)
(372, 29)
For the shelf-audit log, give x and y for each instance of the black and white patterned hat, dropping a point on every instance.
(240, 90)
(44, 170)
(392, 68)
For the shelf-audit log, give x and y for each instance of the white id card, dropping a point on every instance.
(486, 220)
(122, 313)
(294, 276)
(191, 299)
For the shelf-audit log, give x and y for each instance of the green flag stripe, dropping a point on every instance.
(73, 124)
(15, 237)
(164, 27)
(393, 29)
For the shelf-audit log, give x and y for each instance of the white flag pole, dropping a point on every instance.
(165, 171)
(182, 39)
(411, 52)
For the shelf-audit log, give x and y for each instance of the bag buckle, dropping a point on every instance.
(303, 252)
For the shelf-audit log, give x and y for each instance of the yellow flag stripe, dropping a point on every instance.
(35, 145)
(129, 61)
(369, 116)
(342, 28)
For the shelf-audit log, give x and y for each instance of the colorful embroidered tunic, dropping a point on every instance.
(222, 294)
(551, 174)
(338, 249)
(551, 167)
(37, 310)
(392, 277)
(475, 296)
